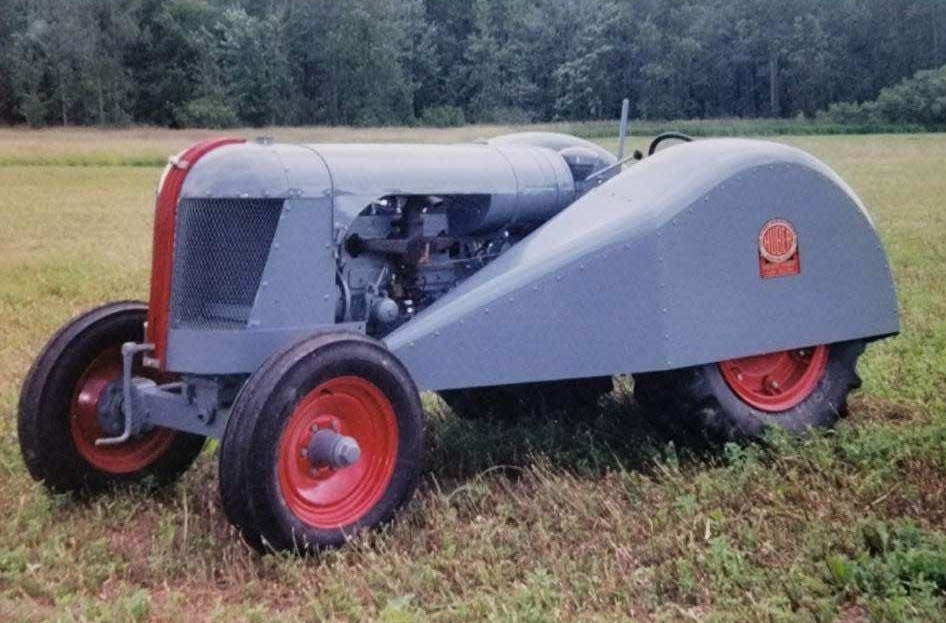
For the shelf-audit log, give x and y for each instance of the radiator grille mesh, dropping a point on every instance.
(220, 251)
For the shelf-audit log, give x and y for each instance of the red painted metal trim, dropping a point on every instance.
(776, 382)
(163, 247)
(323, 497)
(135, 454)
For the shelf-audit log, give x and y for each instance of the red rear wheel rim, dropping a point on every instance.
(326, 498)
(131, 456)
(777, 381)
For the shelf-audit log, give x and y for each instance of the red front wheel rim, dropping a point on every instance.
(327, 498)
(132, 456)
(776, 382)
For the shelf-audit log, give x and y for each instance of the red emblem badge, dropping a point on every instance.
(778, 250)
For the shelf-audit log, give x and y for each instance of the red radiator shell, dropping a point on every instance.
(162, 260)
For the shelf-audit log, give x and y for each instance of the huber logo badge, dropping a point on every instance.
(778, 250)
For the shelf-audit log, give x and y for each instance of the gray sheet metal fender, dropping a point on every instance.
(659, 269)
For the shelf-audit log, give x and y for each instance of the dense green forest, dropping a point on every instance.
(366, 62)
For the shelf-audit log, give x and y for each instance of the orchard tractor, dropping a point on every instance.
(303, 295)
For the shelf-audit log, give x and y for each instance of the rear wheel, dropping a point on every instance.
(510, 401)
(738, 400)
(69, 400)
(324, 440)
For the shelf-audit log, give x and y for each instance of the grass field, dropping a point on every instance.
(589, 518)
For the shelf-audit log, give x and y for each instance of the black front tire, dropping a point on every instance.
(47, 441)
(256, 469)
(696, 405)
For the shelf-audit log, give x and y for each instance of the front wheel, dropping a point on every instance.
(738, 400)
(323, 441)
(67, 404)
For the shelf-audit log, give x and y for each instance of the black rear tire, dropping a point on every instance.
(511, 401)
(46, 407)
(257, 471)
(697, 406)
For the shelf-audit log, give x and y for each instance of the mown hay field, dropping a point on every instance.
(590, 517)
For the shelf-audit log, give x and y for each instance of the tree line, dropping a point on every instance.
(365, 62)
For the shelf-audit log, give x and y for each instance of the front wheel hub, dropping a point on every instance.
(329, 449)
(337, 452)
(96, 412)
(110, 412)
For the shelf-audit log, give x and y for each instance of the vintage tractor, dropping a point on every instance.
(302, 295)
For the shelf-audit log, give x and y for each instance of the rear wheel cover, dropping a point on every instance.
(779, 381)
(324, 497)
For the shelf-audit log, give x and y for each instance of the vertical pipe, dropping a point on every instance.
(625, 111)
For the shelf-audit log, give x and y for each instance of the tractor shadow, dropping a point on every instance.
(615, 435)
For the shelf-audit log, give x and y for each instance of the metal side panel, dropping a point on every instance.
(659, 269)
(298, 283)
(293, 289)
(265, 265)
(230, 351)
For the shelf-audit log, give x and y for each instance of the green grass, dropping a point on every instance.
(587, 518)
